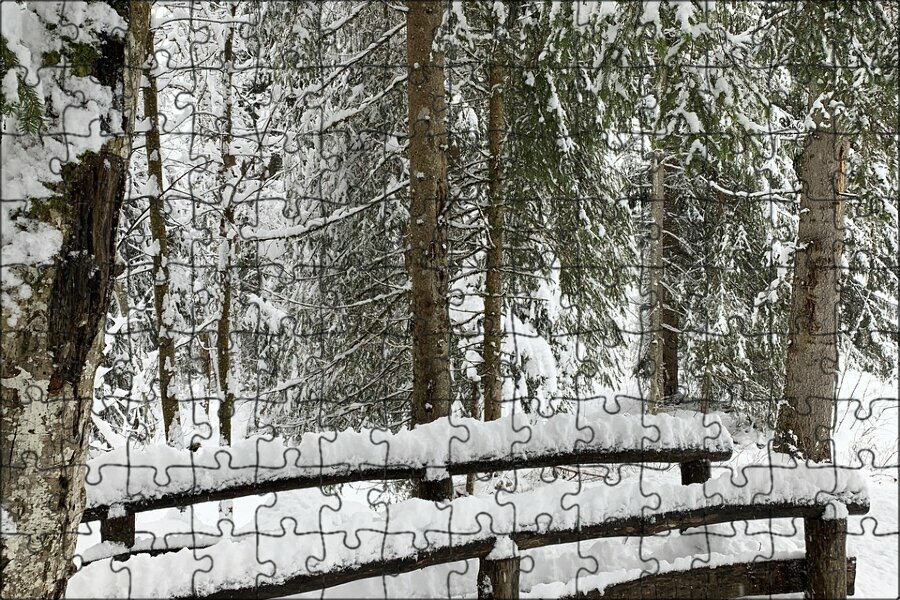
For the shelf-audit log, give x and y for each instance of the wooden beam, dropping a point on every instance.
(640, 526)
(768, 577)
(377, 472)
(658, 523)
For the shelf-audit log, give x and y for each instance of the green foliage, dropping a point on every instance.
(82, 58)
(28, 110)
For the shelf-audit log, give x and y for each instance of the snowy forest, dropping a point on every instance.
(440, 298)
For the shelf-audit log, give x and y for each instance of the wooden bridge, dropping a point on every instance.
(481, 528)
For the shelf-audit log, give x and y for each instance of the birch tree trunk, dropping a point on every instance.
(51, 351)
(427, 237)
(159, 232)
(805, 418)
(491, 377)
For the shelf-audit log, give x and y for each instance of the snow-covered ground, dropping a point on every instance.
(866, 440)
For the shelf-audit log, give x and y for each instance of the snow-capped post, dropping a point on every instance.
(52, 336)
(498, 572)
(428, 232)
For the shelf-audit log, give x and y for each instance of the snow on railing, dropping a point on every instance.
(129, 480)
(316, 549)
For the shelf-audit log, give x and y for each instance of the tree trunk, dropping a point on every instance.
(492, 375)
(51, 352)
(670, 332)
(805, 417)
(656, 349)
(226, 249)
(427, 237)
(165, 343)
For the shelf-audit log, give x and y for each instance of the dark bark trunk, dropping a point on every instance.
(492, 375)
(670, 331)
(159, 232)
(427, 236)
(656, 291)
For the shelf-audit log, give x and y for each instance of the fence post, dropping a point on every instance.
(697, 471)
(498, 579)
(118, 530)
(826, 558)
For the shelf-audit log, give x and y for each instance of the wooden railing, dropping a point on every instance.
(825, 572)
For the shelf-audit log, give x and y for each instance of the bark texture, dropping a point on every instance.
(51, 352)
(159, 231)
(427, 237)
(656, 348)
(492, 375)
(805, 418)
(670, 326)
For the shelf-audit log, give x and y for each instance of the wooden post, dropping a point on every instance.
(826, 555)
(118, 530)
(697, 471)
(498, 579)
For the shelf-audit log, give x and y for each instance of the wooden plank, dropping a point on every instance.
(768, 577)
(479, 549)
(376, 472)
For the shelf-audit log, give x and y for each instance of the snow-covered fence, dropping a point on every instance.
(128, 481)
(495, 530)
